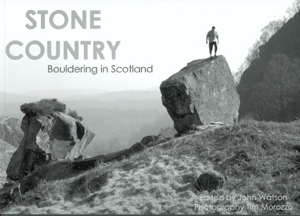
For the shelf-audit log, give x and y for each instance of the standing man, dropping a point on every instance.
(212, 37)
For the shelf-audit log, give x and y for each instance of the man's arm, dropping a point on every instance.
(207, 36)
(217, 37)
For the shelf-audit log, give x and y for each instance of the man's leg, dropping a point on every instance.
(210, 48)
(216, 48)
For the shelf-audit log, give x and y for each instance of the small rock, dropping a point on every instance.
(147, 139)
(209, 181)
(137, 147)
(193, 127)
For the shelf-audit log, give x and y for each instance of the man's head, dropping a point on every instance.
(213, 28)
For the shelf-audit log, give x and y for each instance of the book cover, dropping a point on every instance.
(133, 107)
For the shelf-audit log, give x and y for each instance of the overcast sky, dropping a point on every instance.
(163, 33)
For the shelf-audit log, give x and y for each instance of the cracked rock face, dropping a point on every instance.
(46, 138)
(201, 93)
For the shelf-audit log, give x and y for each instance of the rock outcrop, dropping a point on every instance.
(6, 151)
(47, 138)
(201, 93)
(10, 130)
(269, 88)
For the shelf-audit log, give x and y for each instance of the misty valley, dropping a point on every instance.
(119, 119)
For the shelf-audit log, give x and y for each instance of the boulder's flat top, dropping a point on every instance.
(204, 61)
(199, 63)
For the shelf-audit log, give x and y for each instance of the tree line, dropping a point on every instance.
(266, 33)
(270, 89)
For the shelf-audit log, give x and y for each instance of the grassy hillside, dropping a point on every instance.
(160, 179)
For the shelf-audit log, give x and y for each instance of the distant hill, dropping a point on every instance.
(65, 92)
(10, 103)
(153, 88)
(16, 98)
(110, 115)
(269, 88)
(128, 95)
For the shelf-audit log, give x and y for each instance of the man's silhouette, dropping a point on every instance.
(212, 37)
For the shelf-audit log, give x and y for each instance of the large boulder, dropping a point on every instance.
(201, 93)
(10, 130)
(47, 138)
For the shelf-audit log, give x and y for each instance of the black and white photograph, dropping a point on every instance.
(150, 107)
